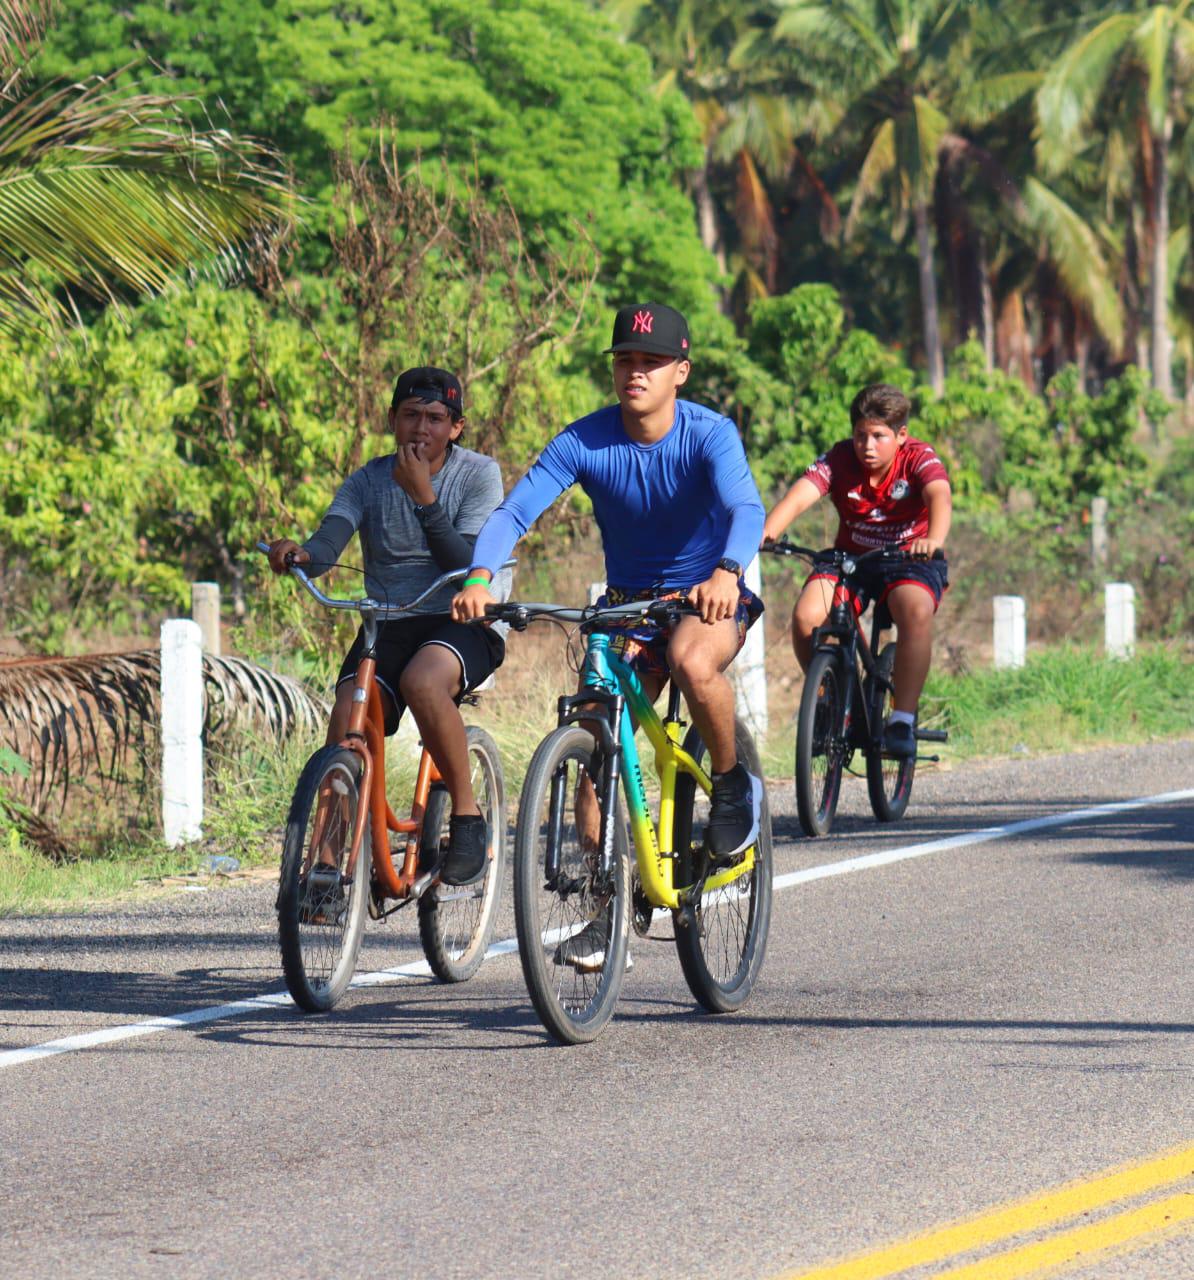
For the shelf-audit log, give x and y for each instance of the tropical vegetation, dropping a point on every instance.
(224, 227)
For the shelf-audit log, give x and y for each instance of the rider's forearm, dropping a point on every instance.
(746, 529)
(325, 545)
(526, 502)
(449, 548)
(799, 498)
(939, 501)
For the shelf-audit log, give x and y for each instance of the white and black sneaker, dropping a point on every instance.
(585, 951)
(737, 802)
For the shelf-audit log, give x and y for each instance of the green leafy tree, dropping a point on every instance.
(540, 101)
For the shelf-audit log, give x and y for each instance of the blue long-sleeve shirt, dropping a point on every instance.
(667, 511)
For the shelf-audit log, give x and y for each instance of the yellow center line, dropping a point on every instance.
(1052, 1206)
(1082, 1242)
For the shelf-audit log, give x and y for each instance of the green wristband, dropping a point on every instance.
(476, 582)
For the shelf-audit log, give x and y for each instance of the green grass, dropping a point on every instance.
(1066, 698)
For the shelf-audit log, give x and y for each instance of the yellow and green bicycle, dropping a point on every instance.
(575, 897)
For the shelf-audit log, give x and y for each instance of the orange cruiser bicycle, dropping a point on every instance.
(338, 859)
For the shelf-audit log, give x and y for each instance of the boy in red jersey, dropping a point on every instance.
(890, 491)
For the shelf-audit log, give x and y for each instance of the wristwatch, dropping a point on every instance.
(730, 566)
(421, 510)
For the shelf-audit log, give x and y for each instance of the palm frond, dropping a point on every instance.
(104, 190)
(1071, 88)
(1074, 249)
(879, 162)
(22, 28)
(96, 719)
(920, 161)
(1152, 39)
(981, 101)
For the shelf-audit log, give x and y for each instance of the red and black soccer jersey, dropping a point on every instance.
(890, 515)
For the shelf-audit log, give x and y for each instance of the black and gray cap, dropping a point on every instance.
(430, 384)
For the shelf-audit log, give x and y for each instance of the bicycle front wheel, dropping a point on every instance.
(819, 744)
(456, 923)
(571, 921)
(888, 778)
(321, 903)
(722, 938)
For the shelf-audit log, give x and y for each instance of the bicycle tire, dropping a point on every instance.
(819, 744)
(573, 1004)
(888, 778)
(319, 927)
(456, 924)
(722, 940)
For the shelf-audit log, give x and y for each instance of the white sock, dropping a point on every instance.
(902, 717)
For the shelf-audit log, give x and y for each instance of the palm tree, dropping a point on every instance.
(1140, 65)
(750, 113)
(897, 57)
(104, 190)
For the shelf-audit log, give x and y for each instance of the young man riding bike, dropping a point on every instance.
(680, 516)
(418, 511)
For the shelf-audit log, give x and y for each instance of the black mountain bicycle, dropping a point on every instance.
(848, 697)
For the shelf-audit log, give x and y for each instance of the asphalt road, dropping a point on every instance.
(1004, 1021)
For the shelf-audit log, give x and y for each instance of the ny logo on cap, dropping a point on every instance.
(643, 320)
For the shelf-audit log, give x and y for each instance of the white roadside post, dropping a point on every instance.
(1119, 599)
(205, 610)
(749, 669)
(1011, 641)
(182, 731)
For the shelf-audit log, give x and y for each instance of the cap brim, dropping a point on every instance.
(655, 348)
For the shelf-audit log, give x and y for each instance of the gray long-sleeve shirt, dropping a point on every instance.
(402, 554)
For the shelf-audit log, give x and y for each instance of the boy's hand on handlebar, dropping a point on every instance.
(717, 598)
(284, 552)
(925, 548)
(470, 603)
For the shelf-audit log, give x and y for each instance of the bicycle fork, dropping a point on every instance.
(573, 709)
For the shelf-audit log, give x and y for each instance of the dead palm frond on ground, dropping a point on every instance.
(92, 724)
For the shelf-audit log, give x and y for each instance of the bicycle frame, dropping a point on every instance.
(610, 681)
(845, 623)
(366, 738)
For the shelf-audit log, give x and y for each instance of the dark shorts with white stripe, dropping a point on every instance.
(478, 649)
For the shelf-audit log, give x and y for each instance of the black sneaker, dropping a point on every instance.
(899, 739)
(466, 856)
(734, 813)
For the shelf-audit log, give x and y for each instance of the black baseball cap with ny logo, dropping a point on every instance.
(650, 326)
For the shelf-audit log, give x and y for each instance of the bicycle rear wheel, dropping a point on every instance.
(820, 748)
(456, 924)
(571, 924)
(721, 940)
(888, 778)
(321, 908)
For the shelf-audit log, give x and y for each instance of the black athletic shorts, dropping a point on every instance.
(478, 648)
(876, 580)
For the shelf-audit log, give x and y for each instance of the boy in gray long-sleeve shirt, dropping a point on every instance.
(418, 511)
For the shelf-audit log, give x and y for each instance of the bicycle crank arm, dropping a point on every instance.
(931, 735)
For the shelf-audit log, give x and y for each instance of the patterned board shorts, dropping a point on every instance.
(643, 646)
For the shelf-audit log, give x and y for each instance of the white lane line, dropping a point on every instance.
(421, 969)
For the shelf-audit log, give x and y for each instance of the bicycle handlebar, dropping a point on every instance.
(519, 615)
(368, 604)
(847, 560)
